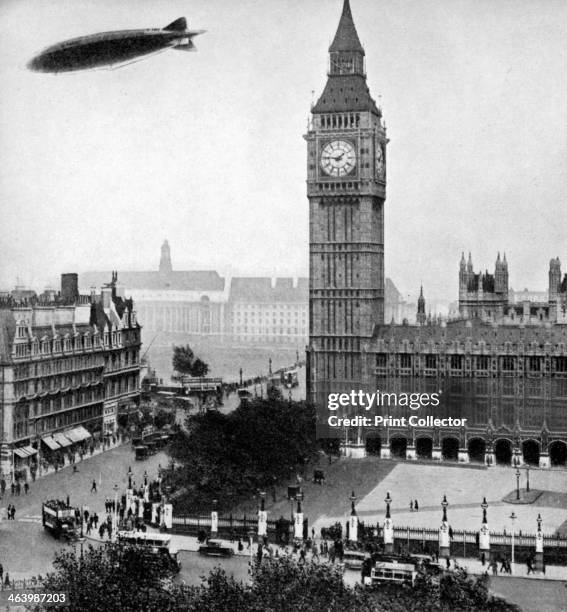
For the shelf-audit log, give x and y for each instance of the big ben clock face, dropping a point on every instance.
(338, 158)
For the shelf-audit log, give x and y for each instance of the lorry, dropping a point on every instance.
(59, 519)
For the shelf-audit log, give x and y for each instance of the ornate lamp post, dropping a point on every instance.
(298, 524)
(484, 536)
(353, 521)
(388, 527)
(130, 473)
(214, 518)
(444, 542)
(528, 477)
(513, 517)
(145, 477)
(115, 509)
(517, 483)
(539, 546)
(262, 516)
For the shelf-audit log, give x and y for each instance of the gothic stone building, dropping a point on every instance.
(508, 381)
(346, 188)
(502, 370)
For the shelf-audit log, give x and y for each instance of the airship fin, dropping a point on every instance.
(179, 25)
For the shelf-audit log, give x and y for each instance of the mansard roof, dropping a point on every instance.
(193, 280)
(7, 333)
(346, 93)
(261, 290)
(474, 329)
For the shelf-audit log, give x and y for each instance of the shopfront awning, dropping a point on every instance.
(62, 440)
(20, 452)
(51, 443)
(30, 450)
(77, 434)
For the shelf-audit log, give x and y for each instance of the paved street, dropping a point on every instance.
(25, 549)
(465, 489)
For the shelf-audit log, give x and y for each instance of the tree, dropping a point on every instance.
(184, 362)
(199, 369)
(115, 577)
(182, 359)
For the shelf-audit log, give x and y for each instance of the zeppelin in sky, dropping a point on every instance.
(113, 48)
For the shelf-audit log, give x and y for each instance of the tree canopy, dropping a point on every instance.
(132, 578)
(229, 457)
(185, 362)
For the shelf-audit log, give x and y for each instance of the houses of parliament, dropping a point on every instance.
(500, 362)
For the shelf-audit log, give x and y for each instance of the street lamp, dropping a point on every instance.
(527, 477)
(513, 517)
(145, 477)
(484, 506)
(353, 499)
(115, 509)
(388, 501)
(444, 505)
(130, 473)
(517, 483)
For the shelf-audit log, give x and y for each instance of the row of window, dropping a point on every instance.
(57, 366)
(52, 383)
(24, 429)
(506, 363)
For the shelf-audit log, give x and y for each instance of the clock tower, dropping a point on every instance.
(346, 188)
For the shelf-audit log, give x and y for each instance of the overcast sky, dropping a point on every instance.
(206, 148)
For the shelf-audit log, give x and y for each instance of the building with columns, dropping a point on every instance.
(249, 310)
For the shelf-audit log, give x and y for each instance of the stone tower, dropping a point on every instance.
(346, 188)
(421, 317)
(165, 259)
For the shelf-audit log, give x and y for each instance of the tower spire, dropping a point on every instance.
(346, 38)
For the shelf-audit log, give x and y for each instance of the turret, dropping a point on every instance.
(554, 279)
(165, 259)
(421, 316)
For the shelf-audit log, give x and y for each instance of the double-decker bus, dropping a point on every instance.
(159, 543)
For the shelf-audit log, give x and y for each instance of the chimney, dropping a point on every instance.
(70, 287)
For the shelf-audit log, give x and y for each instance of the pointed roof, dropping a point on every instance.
(346, 38)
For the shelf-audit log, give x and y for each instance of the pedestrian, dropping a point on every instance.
(503, 564)
(483, 559)
(529, 565)
(13, 513)
(302, 556)
(93, 487)
(411, 505)
(1, 572)
(89, 526)
(101, 530)
(448, 562)
(86, 515)
(26, 487)
(240, 546)
(415, 505)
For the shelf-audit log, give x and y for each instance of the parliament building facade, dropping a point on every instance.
(501, 365)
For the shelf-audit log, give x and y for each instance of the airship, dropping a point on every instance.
(113, 49)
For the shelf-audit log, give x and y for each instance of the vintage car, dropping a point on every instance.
(215, 548)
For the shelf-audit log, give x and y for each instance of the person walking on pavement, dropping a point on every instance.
(26, 487)
(13, 512)
(415, 506)
(95, 520)
(1, 572)
(93, 487)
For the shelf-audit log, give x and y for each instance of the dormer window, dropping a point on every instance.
(21, 329)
